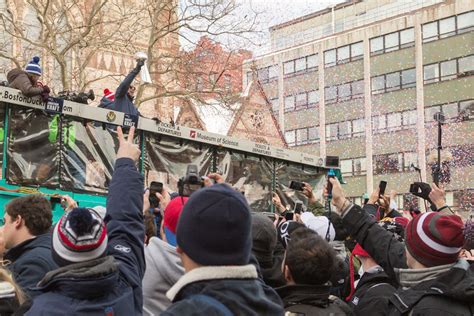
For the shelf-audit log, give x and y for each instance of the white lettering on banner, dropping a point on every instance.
(53, 107)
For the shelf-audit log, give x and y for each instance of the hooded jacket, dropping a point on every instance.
(163, 270)
(236, 287)
(106, 103)
(123, 103)
(30, 261)
(18, 79)
(450, 293)
(110, 285)
(311, 300)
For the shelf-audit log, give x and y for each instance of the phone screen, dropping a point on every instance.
(289, 216)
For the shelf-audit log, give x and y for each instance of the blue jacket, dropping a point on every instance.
(112, 284)
(30, 261)
(122, 102)
(106, 104)
(236, 289)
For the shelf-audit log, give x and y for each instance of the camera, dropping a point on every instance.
(80, 97)
(420, 189)
(296, 185)
(191, 182)
(154, 188)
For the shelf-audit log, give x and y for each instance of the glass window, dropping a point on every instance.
(409, 118)
(358, 127)
(346, 166)
(275, 105)
(301, 136)
(330, 57)
(430, 31)
(430, 112)
(330, 93)
(407, 37)
(391, 42)
(289, 103)
(263, 74)
(463, 105)
(466, 20)
(431, 73)
(345, 129)
(313, 133)
(466, 64)
(313, 97)
(344, 91)
(447, 26)
(376, 44)
(360, 166)
(408, 78)
(331, 131)
(357, 50)
(301, 99)
(290, 137)
(448, 69)
(409, 159)
(289, 67)
(393, 81)
(378, 84)
(273, 72)
(358, 88)
(300, 64)
(394, 121)
(450, 110)
(312, 61)
(343, 54)
(379, 123)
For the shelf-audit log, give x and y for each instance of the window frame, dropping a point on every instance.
(399, 45)
(456, 30)
(400, 85)
(338, 61)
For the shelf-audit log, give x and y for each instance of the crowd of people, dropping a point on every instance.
(211, 254)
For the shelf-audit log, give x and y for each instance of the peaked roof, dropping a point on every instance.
(255, 85)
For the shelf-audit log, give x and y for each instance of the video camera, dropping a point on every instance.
(80, 97)
(191, 182)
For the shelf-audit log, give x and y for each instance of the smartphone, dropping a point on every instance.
(289, 216)
(154, 188)
(382, 187)
(298, 207)
(332, 161)
(296, 185)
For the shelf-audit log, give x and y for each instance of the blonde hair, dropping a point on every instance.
(6, 277)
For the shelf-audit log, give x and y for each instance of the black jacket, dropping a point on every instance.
(106, 285)
(311, 300)
(372, 293)
(451, 293)
(30, 261)
(235, 287)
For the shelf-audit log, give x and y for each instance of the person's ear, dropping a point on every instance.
(18, 222)
(288, 276)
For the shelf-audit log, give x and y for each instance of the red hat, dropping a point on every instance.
(359, 251)
(109, 94)
(170, 220)
(434, 239)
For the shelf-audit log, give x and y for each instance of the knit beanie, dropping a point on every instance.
(80, 235)
(170, 220)
(264, 237)
(434, 239)
(285, 229)
(109, 94)
(214, 227)
(33, 66)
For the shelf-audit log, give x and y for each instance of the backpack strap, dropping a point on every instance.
(213, 302)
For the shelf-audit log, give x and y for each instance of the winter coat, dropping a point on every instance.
(18, 79)
(30, 261)
(8, 300)
(237, 288)
(163, 270)
(447, 294)
(311, 300)
(372, 292)
(123, 103)
(109, 285)
(106, 103)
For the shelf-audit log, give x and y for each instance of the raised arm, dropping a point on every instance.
(125, 84)
(126, 231)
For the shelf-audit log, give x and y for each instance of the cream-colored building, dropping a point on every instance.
(362, 81)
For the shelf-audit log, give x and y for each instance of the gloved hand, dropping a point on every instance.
(45, 96)
(46, 89)
(140, 63)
